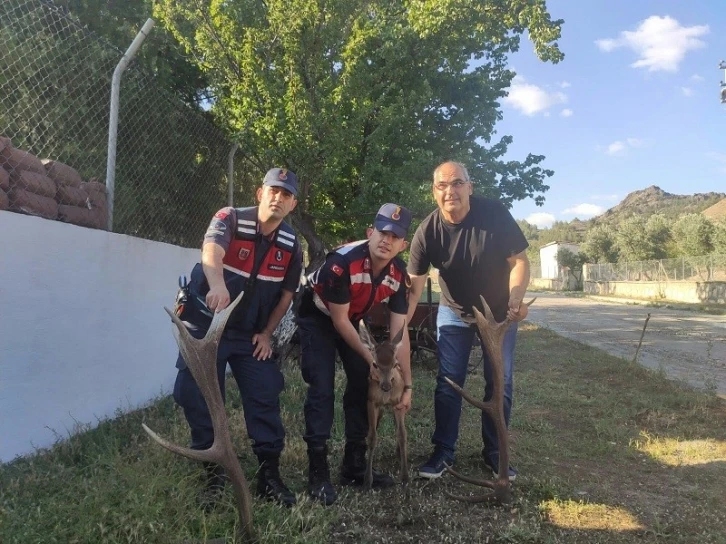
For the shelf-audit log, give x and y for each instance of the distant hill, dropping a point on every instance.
(717, 212)
(655, 200)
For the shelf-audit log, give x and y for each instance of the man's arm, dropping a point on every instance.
(403, 355)
(262, 340)
(218, 296)
(518, 282)
(414, 294)
(339, 316)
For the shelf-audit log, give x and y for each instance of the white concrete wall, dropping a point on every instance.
(83, 332)
(694, 292)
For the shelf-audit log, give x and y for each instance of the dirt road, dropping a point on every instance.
(688, 346)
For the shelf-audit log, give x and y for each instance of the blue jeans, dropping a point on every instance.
(455, 340)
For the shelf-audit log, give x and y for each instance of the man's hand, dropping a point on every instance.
(218, 298)
(405, 403)
(263, 347)
(517, 311)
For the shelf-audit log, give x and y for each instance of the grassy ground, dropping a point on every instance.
(607, 452)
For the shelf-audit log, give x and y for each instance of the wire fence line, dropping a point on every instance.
(703, 268)
(55, 80)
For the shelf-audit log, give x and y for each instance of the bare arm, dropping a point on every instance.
(342, 324)
(518, 282)
(263, 339)
(414, 294)
(403, 354)
(218, 297)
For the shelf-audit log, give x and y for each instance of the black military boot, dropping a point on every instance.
(319, 486)
(269, 482)
(214, 481)
(353, 469)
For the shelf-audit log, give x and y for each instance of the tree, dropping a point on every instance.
(639, 239)
(531, 233)
(364, 98)
(119, 22)
(719, 238)
(573, 263)
(693, 234)
(600, 244)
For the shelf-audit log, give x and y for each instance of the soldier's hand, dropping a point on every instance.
(263, 346)
(217, 298)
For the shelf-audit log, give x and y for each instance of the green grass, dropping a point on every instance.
(607, 452)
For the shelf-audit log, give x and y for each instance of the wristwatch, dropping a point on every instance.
(407, 388)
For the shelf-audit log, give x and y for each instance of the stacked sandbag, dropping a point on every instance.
(4, 176)
(72, 198)
(31, 190)
(97, 201)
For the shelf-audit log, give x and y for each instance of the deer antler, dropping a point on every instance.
(201, 358)
(492, 335)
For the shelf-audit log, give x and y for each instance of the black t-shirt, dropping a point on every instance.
(471, 257)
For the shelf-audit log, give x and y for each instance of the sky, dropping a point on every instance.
(634, 103)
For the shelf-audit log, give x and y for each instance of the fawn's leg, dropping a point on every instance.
(373, 419)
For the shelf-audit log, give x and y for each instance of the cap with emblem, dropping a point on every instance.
(393, 218)
(281, 177)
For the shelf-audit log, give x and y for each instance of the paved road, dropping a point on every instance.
(688, 346)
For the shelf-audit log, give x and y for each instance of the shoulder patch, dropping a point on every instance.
(221, 214)
(338, 271)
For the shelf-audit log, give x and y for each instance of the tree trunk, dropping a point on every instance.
(305, 225)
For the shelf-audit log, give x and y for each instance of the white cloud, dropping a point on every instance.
(565, 84)
(567, 112)
(584, 211)
(687, 91)
(616, 148)
(660, 43)
(696, 78)
(620, 147)
(541, 220)
(530, 99)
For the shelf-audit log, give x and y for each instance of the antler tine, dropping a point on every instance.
(492, 335)
(200, 355)
(469, 480)
(466, 396)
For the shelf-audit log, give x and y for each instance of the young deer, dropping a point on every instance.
(386, 390)
(492, 335)
(201, 358)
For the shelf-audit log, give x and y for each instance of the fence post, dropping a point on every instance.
(113, 114)
(230, 175)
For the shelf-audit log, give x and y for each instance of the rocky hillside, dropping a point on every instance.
(655, 200)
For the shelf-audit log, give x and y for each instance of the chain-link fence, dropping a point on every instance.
(55, 80)
(703, 268)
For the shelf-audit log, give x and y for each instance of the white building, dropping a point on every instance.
(548, 257)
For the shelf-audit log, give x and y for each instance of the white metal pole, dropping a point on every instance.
(113, 115)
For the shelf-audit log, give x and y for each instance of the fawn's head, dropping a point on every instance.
(384, 354)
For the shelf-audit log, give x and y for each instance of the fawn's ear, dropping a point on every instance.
(365, 336)
(396, 340)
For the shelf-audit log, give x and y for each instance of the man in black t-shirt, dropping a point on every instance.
(479, 250)
(341, 292)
